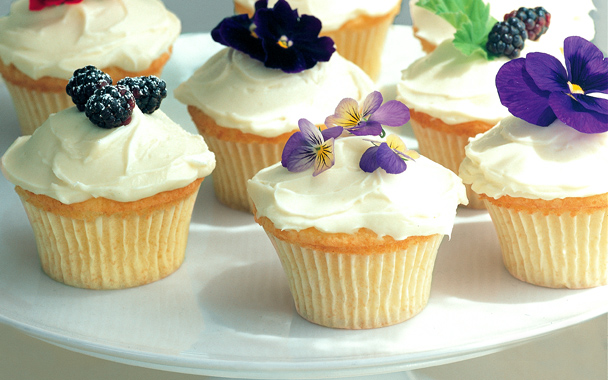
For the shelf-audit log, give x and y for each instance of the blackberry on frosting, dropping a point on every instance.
(83, 84)
(110, 106)
(148, 91)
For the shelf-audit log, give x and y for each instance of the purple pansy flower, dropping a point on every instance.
(539, 90)
(369, 118)
(310, 147)
(277, 36)
(390, 156)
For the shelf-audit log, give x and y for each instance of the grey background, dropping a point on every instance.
(202, 15)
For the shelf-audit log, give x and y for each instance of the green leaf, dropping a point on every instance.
(472, 21)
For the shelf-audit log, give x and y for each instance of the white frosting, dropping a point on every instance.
(567, 19)
(421, 201)
(452, 87)
(71, 160)
(333, 14)
(519, 159)
(57, 40)
(239, 92)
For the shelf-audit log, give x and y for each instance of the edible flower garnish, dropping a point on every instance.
(369, 118)
(277, 36)
(390, 156)
(470, 18)
(37, 5)
(310, 147)
(539, 90)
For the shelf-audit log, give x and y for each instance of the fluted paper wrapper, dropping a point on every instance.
(363, 43)
(556, 251)
(358, 291)
(446, 149)
(34, 107)
(237, 162)
(115, 251)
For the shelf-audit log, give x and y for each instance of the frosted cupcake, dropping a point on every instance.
(109, 195)
(356, 221)
(243, 99)
(568, 19)
(358, 27)
(536, 171)
(42, 44)
(451, 91)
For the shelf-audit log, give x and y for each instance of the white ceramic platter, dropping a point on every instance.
(228, 311)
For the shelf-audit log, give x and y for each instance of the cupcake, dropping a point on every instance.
(536, 170)
(243, 100)
(42, 44)
(431, 29)
(109, 198)
(358, 27)
(451, 91)
(356, 222)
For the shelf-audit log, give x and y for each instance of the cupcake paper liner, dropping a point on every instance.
(553, 250)
(118, 250)
(446, 149)
(237, 162)
(34, 107)
(358, 291)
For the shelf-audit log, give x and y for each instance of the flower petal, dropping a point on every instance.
(346, 114)
(366, 128)
(297, 156)
(324, 157)
(235, 32)
(585, 64)
(368, 162)
(371, 103)
(332, 133)
(593, 103)
(392, 113)
(389, 160)
(311, 135)
(394, 142)
(574, 114)
(261, 4)
(519, 93)
(547, 72)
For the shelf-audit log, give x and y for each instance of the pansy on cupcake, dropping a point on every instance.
(278, 67)
(451, 91)
(358, 27)
(356, 219)
(535, 170)
(108, 187)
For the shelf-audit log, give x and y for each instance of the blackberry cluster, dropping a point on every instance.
(537, 20)
(110, 106)
(148, 91)
(83, 84)
(507, 38)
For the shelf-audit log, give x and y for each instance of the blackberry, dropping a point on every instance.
(83, 84)
(148, 91)
(507, 38)
(537, 20)
(110, 106)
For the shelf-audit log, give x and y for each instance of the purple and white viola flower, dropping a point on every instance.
(310, 147)
(370, 116)
(390, 156)
(539, 90)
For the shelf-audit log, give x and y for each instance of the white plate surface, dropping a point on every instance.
(228, 311)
